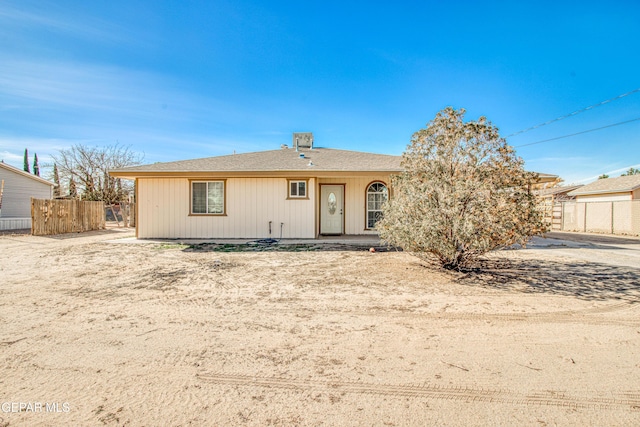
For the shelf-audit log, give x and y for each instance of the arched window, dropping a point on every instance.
(377, 194)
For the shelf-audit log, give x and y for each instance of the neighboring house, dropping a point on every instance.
(609, 190)
(19, 188)
(299, 192)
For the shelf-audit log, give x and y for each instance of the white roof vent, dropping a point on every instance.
(302, 140)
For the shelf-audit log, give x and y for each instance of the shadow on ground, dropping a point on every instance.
(258, 246)
(585, 280)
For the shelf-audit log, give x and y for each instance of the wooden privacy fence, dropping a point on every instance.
(65, 216)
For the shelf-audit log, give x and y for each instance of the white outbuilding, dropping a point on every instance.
(18, 187)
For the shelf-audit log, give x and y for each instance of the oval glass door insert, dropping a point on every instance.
(333, 203)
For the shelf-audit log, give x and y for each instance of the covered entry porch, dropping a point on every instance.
(350, 206)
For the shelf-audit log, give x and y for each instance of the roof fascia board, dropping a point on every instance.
(25, 174)
(590, 193)
(249, 174)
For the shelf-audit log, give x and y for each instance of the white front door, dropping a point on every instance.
(331, 209)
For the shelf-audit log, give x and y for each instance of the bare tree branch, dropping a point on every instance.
(88, 168)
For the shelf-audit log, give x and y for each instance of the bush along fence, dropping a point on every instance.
(621, 217)
(65, 216)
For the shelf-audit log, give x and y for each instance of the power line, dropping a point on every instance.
(578, 133)
(582, 110)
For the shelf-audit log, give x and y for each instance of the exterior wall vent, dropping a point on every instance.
(302, 140)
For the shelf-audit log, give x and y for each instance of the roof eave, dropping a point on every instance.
(26, 174)
(244, 174)
(590, 193)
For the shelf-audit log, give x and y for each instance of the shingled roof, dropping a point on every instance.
(556, 190)
(308, 161)
(25, 174)
(621, 184)
(286, 161)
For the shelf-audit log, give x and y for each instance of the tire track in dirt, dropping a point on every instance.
(612, 401)
(588, 316)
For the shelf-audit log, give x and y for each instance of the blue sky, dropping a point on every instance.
(187, 79)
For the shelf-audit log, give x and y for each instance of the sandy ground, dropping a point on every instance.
(94, 332)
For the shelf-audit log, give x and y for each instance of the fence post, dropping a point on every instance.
(33, 220)
(584, 227)
(612, 218)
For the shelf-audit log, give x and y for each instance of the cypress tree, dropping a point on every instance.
(36, 166)
(26, 161)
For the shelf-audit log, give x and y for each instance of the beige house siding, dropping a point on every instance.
(611, 197)
(354, 204)
(636, 194)
(164, 210)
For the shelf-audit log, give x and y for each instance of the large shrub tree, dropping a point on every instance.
(463, 193)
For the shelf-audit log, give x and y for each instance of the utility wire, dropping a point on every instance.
(582, 110)
(578, 133)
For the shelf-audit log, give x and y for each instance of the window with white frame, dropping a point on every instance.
(298, 189)
(207, 197)
(377, 194)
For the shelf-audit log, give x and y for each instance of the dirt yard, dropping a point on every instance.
(94, 332)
